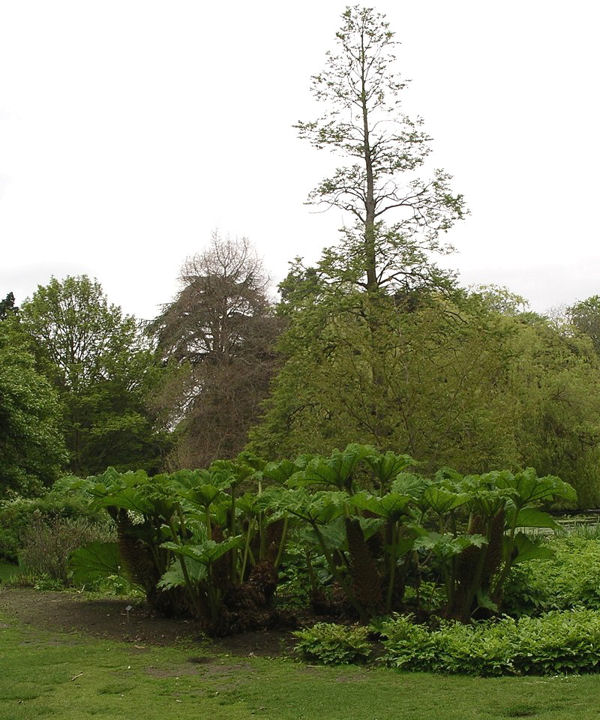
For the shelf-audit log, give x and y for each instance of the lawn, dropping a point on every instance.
(74, 676)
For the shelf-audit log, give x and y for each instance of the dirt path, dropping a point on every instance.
(109, 618)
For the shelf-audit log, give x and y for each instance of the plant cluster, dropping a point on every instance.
(211, 542)
(557, 642)
(569, 580)
(62, 502)
(331, 644)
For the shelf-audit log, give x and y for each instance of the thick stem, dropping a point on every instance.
(282, 542)
(246, 550)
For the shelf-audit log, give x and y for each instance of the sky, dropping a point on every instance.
(130, 130)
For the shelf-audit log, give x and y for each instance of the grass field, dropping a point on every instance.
(73, 676)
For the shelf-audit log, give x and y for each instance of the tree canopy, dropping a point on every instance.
(32, 450)
(217, 337)
(102, 367)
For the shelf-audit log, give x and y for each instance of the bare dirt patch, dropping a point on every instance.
(108, 618)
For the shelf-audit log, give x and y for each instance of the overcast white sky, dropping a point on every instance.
(129, 130)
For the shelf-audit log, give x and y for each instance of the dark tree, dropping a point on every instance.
(218, 336)
(7, 306)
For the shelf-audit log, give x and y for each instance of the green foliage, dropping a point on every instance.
(66, 499)
(7, 306)
(195, 531)
(352, 364)
(558, 642)
(102, 367)
(95, 561)
(32, 450)
(570, 579)
(585, 317)
(47, 544)
(7, 571)
(331, 644)
(552, 377)
(376, 528)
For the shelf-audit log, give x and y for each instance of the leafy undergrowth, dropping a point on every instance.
(71, 676)
(332, 644)
(571, 579)
(558, 642)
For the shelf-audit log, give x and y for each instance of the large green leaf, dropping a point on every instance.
(279, 472)
(337, 469)
(411, 484)
(334, 534)
(442, 501)
(528, 550)
(446, 545)
(387, 466)
(174, 577)
(205, 552)
(95, 561)
(530, 488)
(392, 505)
(204, 495)
(534, 518)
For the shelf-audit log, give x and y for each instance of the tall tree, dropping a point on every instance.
(345, 315)
(384, 150)
(102, 367)
(217, 336)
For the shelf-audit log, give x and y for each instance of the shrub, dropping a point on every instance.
(331, 644)
(48, 542)
(557, 642)
(66, 499)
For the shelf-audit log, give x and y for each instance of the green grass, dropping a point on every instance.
(70, 676)
(7, 570)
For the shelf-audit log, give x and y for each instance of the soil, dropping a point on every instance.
(110, 618)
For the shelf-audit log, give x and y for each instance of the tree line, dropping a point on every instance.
(374, 343)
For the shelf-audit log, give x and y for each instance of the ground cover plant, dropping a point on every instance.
(332, 644)
(557, 642)
(7, 571)
(568, 580)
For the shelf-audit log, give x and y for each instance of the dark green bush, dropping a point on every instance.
(331, 644)
(557, 642)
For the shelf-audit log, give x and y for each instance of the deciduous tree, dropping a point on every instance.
(102, 367)
(32, 450)
(218, 337)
